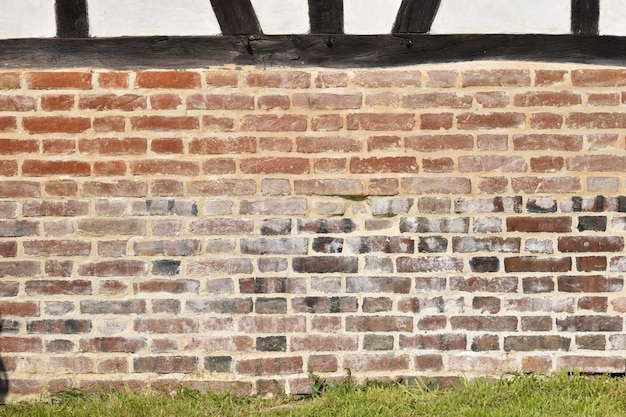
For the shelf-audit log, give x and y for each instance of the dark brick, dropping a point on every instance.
(271, 344)
(218, 363)
(485, 264)
(536, 343)
(432, 244)
(165, 267)
(378, 342)
(535, 285)
(325, 305)
(591, 342)
(594, 223)
(328, 244)
(485, 343)
(325, 264)
(270, 306)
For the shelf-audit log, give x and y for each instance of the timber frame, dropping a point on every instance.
(243, 42)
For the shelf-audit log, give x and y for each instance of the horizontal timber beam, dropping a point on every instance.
(311, 50)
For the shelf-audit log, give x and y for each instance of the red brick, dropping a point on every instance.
(322, 363)
(274, 123)
(9, 81)
(221, 226)
(603, 99)
(164, 123)
(274, 102)
(438, 165)
(547, 99)
(436, 121)
(59, 268)
(544, 78)
(48, 80)
(592, 364)
(381, 121)
(381, 143)
(547, 164)
(382, 100)
(601, 120)
(219, 166)
(165, 101)
(535, 185)
(53, 102)
(474, 121)
(113, 268)
(591, 244)
(328, 101)
(58, 147)
(597, 163)
(424, 185)
(482, 323)
(546, 121)
(221, 187)
(379, 324)
(561, 224)
(328, 144)
(434, 143)
(167, 146)
(19, 309)
(220, 102)
(109, 124)
(279, 79)
(404, 164)
(17, 103)
(492, 99)
(55, 124)
(382, 362)
(270, 366)
(20, 344)
(127, 102)
(17, 146)
(388, 78)
(441, 79)
(8, 168)
(113, 80)
(216, 146)
(548, 142)
(58, 287)
(57, 248)
(275, 165)
(222, 78)
(331, 79)
(8, 123)
(219, 124)
(537, 264)
(599, 78)
(429, 363)
(164, 167)
(121, 188)
(330, 165)
(268, 324)
(495, 78)
(327, 123)
(62, 188)
(166, 364)
(433, 100)
(591, 263)
(109, 168)
(8, 249)
(168, 79)
(35, 168)
(493, 185)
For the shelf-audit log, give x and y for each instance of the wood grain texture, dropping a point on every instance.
(71, 18)
(296, 51)
(236, 17)
(585, 17)
(326, 16)
(416, 16)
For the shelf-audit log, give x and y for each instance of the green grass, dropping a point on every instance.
(560, 395)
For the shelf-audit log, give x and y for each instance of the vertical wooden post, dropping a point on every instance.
(326, 16)
(585, 17)
(71, 18)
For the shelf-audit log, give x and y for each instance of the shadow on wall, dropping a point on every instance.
(4, 377)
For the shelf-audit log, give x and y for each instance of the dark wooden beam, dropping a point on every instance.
(416, 16)
(71, 18)
(326, 16)
(349, 51)
(236, 17)
(585, 17)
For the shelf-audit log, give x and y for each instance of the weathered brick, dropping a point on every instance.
(547, 142)
(429, 264)
(274, 123)
(483, 284)
(536, 343)
(433, 100)
(547, 98)
(486, 244)
(435, 185)
(278, 79)
(470, 121)
(325, 264)
(380, 121)
(590, 283)
(589, 324)
(220, 102)
(495, 78)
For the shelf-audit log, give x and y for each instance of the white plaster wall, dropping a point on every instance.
(27, 19)
(282, 16)
(613, 17)
(370, 17)
(151, 17)
(503, 16)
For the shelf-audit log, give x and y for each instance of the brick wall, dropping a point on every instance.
(236, 228)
